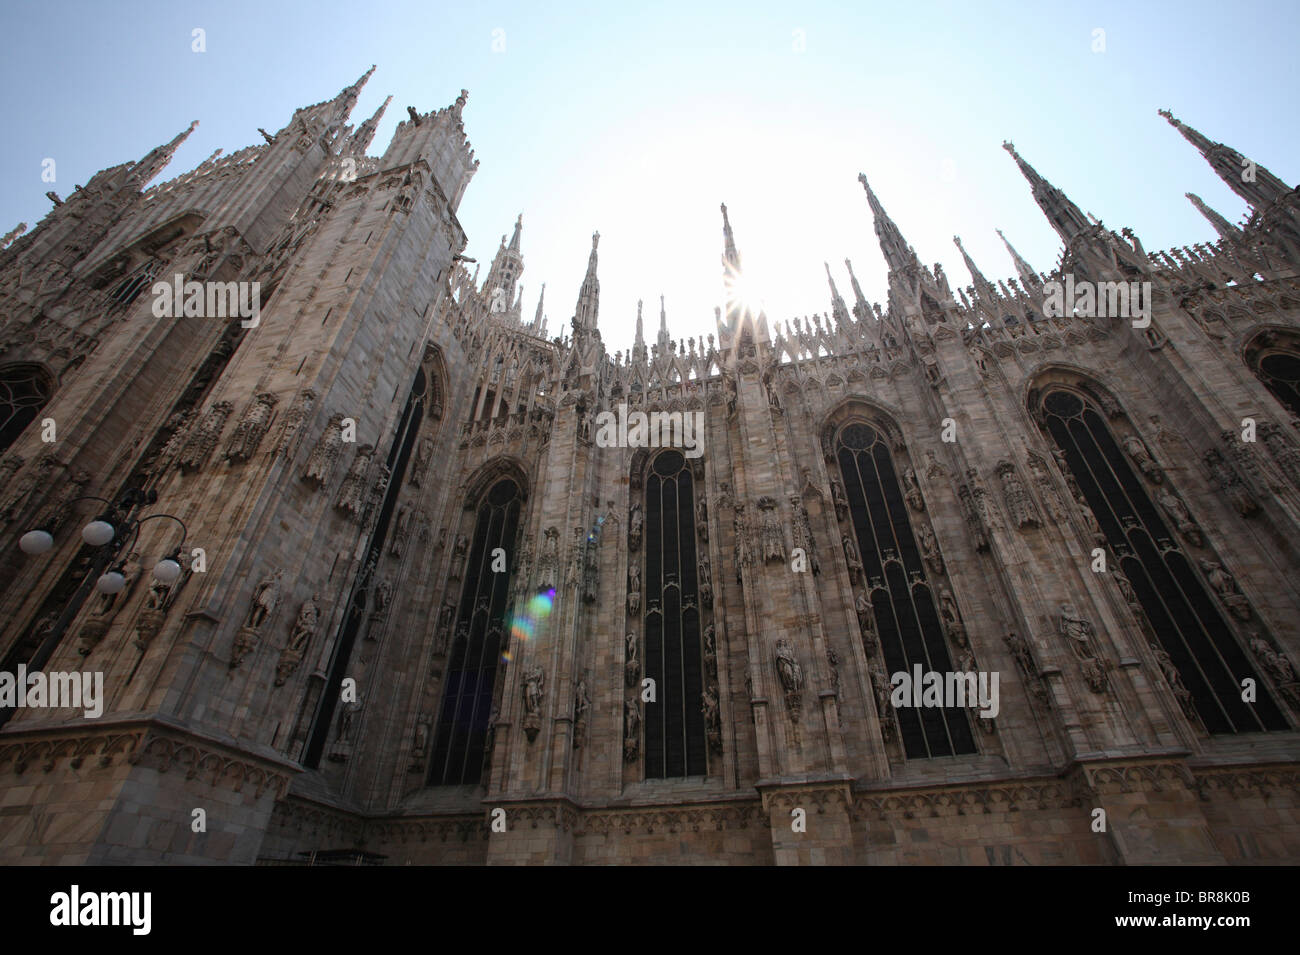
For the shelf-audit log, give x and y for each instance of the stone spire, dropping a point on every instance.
(157, 158)
(1252, 182)
(1063, 214)
(664, 341)
(1221, 225)
(838, 308)
(982, 285)
(898, 254)
(585, 315)
(360, 141)
(638, 346)
(506, 269)
(1028, 277)
(538, 320)
(730, 257)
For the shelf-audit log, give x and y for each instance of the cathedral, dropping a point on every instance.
(365, 572)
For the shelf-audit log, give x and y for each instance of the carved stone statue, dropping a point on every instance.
(1019, 504)
(952, 624)
(533, 689)
(266, 596)
(912, 491)
(581, 704)
(1175, 681)
(252, 428)
(702, 520)
(882, 690)
(803, 537)
(321, 461)
(633, 588)
(443, 634)
(712, 718)
(631, 660)
(773, 539)
(458, 555)
(1225, 587)
(930, 548)
(548, 565)
(1136, 450)
(352, 493)
(743, 553)
(1274, 664)
(635, 523)
(304, 629)
(1181, 517)
(423, 455)
(631, 730)
(203, 438)
(790, 672)
(1077, 632)
(837, 497)
(851, 555)
(1229, 483)
(705, 581)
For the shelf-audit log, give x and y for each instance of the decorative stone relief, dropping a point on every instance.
(773, 539)
(1019, 504)
(351, 497)
(534, 689)
(1229, 484)
(1138, 452)
(252, 427)
(320, 463)
(1078, 634)
(631, 730)
(1181, 517)
(1225, 588)
(266, 597)
(304, 628)
(203, 438)
(790, 673)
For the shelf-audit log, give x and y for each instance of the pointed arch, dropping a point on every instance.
(1116, 478)
(889, 571)
(1273, 356)
(25, 388)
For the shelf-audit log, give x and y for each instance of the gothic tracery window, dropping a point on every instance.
(902, 598)
(1274, 357)
(674, 723)
(24, 390)
(1210, 662)
(470, 685)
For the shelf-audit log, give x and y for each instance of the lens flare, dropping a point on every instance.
(524, 626)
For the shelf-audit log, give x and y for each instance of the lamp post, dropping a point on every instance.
(113, 531)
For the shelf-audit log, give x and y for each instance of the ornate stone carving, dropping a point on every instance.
(881, 688)
(1078, 634)
(1046, 492)
(631, 730)
(773, 539)
(635, 523)
(261, 607)
(534, 689)
(459, 552)
(252, 427)
(1181, 517)
(837, 497)
(851, 557)
(293, 422)
(1278, 667)
(833, 667)
(803, 535)
(1229, 483)
(706, 581)
(631, 660)
(1029, 671)
(712, 718)
(352, 493)
(320, 463)
(203, 438)
(420, 743)
(790, 673)
(711, 653)
(929, 548)
(420, 463)
(1175, 681)
(304, 628)
(1136, 450)
(445, 616)
(912, 491)
(1019, 504)
(743, 552)
(1284, 453)
(591, 568)
(1225, 587)
(702, 520)
(973, 521)
(548, 564)
(58, 511)
(401, 531)
(633, 588)
(581, 704)
(952, 624)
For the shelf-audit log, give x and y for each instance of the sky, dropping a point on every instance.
(639, 121)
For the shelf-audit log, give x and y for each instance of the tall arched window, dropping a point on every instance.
(24, 389)
(674, 722)
(480, 632)
(901, 596)
(1184, 617)
(1274, 357)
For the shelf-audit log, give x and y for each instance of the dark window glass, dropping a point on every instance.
(674, 723)
(479, 638)
(1280, 373)
(1183, 615)
(907, 618)
(24, 389)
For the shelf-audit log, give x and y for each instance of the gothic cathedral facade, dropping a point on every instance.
(426, 611)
